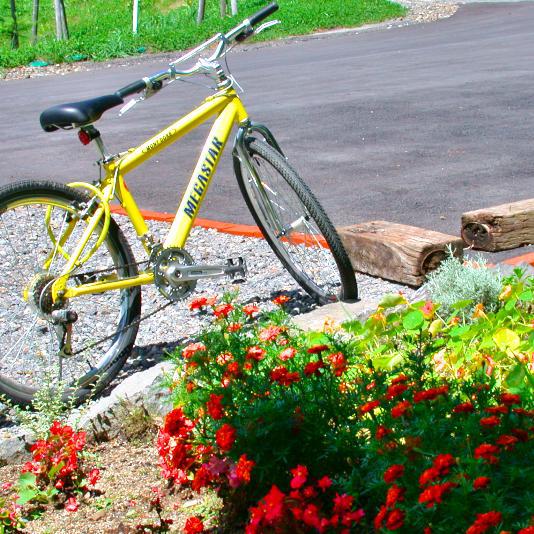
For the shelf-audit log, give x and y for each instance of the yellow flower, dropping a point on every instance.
(506, 292)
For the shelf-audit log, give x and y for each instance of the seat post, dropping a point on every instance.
(90, 133)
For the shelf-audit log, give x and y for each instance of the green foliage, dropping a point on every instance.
(265, 412)
(101, 29)
(455, 281)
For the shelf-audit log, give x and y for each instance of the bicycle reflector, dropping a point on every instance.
(84, 137)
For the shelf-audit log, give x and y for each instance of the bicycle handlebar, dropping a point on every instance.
(239, 33)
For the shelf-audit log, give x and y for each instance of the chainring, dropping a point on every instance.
(169, 286)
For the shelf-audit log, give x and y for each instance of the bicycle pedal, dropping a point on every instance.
(236, 269)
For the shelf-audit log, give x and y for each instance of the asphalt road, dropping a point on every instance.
(413, 124)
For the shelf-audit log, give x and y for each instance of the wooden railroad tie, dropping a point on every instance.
(500, 227)
(397, 252)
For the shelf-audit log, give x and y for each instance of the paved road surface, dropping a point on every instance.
(413, 124)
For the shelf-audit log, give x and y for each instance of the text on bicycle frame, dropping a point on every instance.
(202, 179)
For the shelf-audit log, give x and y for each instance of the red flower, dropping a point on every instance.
(243, 468)
(251, 309)
(428, 309)
(520, 434)
(281, 300)
(369, 406)
(395, 519)
(192, 349)
(255, 353)
(393, 472)
(203, 477)
(222, 310)
(312, 368)
(484, 522)
(273, 504)
(465, 407)
(281, 375)
(509, 398)
(507, 442)
(429, 475)
(382, 432)
(93, 476)
(394, 495)
(527, 530)
(317, 349)
(225, 437)
(338, 362)
(287, 354)
(198, 303)
(480, 482)
(487, 452)
(443, 463)
(343, 503)
(193, 525)
(400, 408)
(433, 495)
(224, 357)
(176, 424)
(324, 483)
(399, 379)
(214, 406)
(71, 505)
(379, 519)
(395, 390)
(491, 421)
(429, 394)
(300, 475)
(493, 410)
(234, 327)
(270, 333)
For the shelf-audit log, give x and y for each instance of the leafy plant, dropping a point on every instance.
(349, 430)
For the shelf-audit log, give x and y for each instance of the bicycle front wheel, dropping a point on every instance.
(40, 224)
(295, 224)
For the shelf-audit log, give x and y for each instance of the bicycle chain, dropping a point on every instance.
(134, 323)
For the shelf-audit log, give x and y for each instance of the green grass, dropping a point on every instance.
(101, 29)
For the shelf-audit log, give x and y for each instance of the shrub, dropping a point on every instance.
(328, 432)
(455, 281)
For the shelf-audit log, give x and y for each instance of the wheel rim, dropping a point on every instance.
(292, 228)
(28, 341)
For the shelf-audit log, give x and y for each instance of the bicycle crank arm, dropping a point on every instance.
(235, 269)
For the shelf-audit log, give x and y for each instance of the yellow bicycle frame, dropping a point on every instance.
(230, 110)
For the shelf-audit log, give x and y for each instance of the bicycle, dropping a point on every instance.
(56, 307)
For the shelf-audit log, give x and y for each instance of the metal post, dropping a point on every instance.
(233, 7)
(201, 8)
(135, 17)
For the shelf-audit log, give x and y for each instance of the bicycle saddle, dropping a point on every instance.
(76, 114)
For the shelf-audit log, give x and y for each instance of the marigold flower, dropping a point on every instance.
(300, 475)
(382, 432)
(312, 368)
(400, 378)
(393, 472)
(484, 522)
(281, 300)
(270, 333)
(222, 310)
(338, 362)
(225, 437)
(191, 349)
(443, 463)
(464, 407)
(255, 353)
(400, 409)
(198, 303)
(520, 434)
(243, 468)
(177, 424)
(433, 495)
(369, 406)
(93, 476)
(487, 451)
(394, 495)
(317, 349)
(509, 398)
(379, 519)
(395, 519)
(491, 421)
(234, 327)
(430, 394)
(202, 478)
(287, 354)
(507, 441)
(214, 406)
(193, 525)
(493, 410)
(480, 482)
(428, 475)
(251, 309)
(395, 390)
(342, 503)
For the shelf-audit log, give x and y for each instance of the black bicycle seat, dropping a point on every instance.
(68, 116)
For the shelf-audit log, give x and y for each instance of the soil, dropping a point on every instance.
(129, 471)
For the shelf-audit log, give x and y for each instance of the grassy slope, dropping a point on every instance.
(101, 29)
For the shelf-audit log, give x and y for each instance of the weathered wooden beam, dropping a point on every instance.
(500, 227)
(397, 252)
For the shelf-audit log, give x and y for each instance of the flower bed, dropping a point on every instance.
(363, 429)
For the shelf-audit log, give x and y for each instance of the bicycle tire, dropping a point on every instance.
(297, 200)
(21, 206)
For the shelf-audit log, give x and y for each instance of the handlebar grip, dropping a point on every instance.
(134, 87)
(262, 13)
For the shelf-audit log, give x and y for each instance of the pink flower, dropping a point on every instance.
(71, 505)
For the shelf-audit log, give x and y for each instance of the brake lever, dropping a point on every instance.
(147, 93)
(266, 25)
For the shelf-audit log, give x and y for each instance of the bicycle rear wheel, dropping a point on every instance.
(295, 224)
(33, 217)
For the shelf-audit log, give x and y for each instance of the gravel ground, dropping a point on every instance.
(419, 11)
